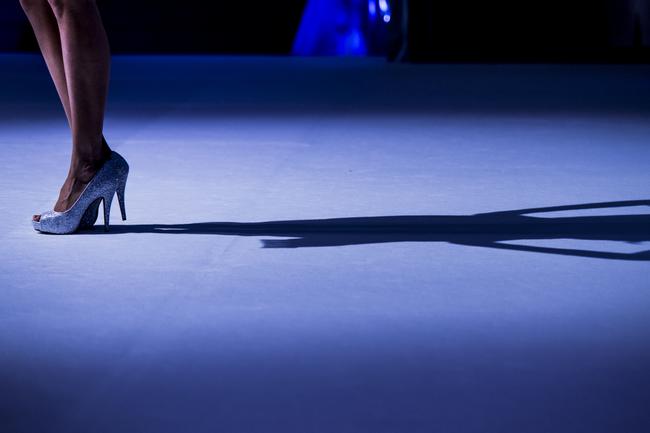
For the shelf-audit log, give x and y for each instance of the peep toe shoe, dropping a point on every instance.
(109, 180)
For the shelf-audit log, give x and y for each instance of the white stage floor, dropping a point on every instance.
(191, 316)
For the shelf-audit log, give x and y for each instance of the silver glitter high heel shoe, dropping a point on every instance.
(109, 180)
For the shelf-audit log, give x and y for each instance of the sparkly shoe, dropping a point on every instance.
(110, 179)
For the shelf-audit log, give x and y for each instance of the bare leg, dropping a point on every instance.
(46, 29)
(82, 54)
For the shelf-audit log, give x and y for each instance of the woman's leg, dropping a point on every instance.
(46, 29)
(86, 63)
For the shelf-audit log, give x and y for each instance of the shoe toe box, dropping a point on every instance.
(48, 222)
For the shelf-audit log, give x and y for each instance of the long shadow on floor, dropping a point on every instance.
(490, 230)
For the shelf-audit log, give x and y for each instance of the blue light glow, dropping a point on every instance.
(332, 27)
(372, 8)
(386, 18)
(383, 6)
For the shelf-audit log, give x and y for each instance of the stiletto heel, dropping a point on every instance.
(120, 197)
(110, 179)
(107, 210)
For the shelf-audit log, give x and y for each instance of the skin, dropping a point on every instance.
(73, 42)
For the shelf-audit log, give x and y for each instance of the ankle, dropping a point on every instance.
(83, 169)
(87, 160)
(94, 154)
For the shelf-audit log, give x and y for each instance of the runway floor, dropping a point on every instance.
(334, 245)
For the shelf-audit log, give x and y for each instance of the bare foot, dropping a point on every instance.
(79, 175)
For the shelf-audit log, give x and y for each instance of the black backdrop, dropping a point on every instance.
(187, 26)
(529, 30)
(439, 30)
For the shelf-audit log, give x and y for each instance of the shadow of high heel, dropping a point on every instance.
(487, 230)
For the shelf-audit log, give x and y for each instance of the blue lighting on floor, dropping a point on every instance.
(355, 246)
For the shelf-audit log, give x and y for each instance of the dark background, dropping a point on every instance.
(469, 30)
(529, 30)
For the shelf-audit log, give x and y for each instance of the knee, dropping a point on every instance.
(61, 7)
